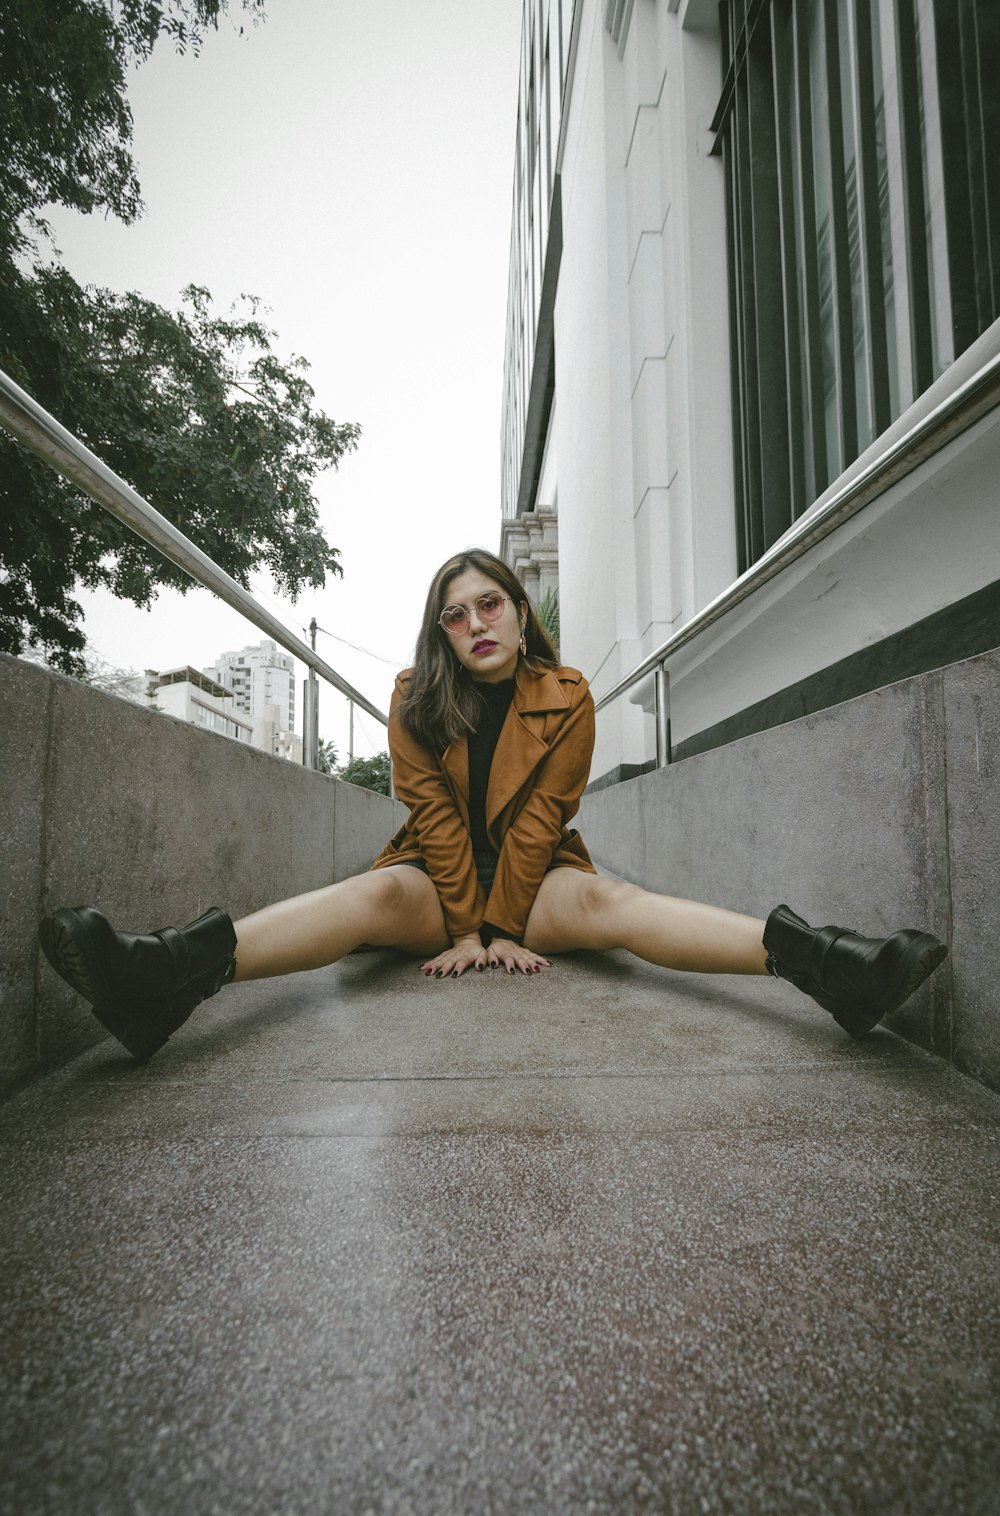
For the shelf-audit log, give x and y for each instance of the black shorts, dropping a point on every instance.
(486, 867)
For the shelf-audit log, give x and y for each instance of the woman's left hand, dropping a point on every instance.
(512, 956)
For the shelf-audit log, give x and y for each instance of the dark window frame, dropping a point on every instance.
(814, 368)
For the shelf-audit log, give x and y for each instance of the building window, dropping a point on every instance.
(859, 141)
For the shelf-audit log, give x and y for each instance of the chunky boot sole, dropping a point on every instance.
(68, 943)
(918, 961)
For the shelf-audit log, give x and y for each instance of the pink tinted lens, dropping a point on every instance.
(454, 619)
(490, 607)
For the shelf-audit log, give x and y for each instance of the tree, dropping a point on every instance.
(326, 757)
(127, 683)
(548, 615)
(194, 409)
(196, 412)
(113, 679)
(65, 122)
(369, 773)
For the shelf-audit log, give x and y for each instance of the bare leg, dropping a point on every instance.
(577, 910)
(391, 907)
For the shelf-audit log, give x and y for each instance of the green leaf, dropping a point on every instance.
(369, 773)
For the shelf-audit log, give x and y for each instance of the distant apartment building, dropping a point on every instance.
(262, 681)
(755, 253)
(195, 697)
(271, 736)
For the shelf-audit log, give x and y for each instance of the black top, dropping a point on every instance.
(482, 745)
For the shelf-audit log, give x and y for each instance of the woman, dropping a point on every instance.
(491, 742)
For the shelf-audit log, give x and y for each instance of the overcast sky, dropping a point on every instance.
(352, 165)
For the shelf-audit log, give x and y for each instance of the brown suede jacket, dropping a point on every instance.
(538, 774)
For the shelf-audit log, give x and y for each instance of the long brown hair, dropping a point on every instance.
(443, 704)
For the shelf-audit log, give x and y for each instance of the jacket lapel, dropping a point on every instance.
(520, 748)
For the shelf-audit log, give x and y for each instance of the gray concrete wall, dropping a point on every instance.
(878, 813)
(152, 821)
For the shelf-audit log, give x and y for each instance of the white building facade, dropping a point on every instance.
(753, 246)
(271, 736)
(195, 697)
(262, 681)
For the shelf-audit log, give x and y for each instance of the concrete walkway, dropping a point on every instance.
(604, 1240)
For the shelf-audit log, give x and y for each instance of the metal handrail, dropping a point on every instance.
(979, 394)
(56, 446)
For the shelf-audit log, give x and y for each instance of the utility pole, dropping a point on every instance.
(310, 711)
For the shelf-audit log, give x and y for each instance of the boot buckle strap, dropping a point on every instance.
(177, 947)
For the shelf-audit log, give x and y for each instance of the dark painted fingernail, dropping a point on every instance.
(479, 968)
(454, 973)
(511, 969)
(537, 969)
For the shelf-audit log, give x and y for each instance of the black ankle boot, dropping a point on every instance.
(857, 979)
(141, 988)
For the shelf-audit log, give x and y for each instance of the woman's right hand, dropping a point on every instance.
(455, 960)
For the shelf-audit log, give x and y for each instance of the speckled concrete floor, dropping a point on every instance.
(607, 1240)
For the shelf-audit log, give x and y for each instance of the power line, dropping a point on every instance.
(262, 594)
(367, 733)
(393, 663)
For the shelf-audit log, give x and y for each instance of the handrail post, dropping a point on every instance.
(310, 711)
(661, 683)
(310, 721)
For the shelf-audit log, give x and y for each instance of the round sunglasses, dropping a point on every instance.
(455, 618)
